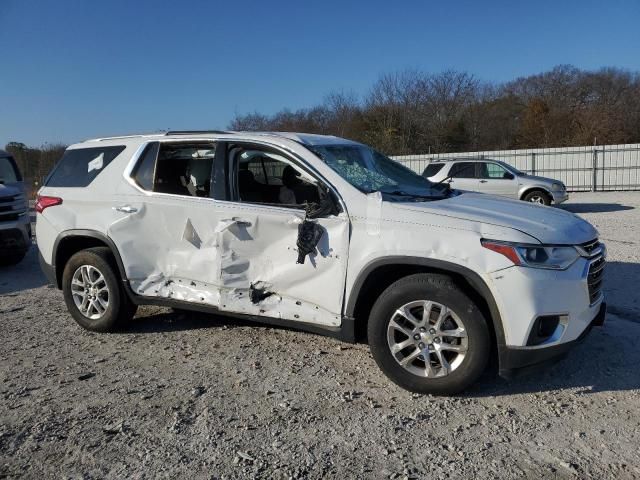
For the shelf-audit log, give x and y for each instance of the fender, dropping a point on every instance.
(529, 188)
(90, 234)
(469, 275)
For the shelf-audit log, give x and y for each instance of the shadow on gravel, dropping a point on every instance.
(175, 321)
(23, 276)
(621, 289)
(604, 362)
(594, 207)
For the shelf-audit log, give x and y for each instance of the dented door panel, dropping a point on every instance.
(237, 257)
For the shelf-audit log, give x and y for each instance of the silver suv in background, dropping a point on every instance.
(497, 178)
(15, 225)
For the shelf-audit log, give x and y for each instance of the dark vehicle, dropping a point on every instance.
(15, 225)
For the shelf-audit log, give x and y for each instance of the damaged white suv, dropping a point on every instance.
(323, 234)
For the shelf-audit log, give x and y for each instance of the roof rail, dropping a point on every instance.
(117, 137)
(194, 132)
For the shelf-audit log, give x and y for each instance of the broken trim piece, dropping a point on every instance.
(309, 234)
(259, 291)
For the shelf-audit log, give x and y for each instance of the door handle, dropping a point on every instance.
(483, 181)
(125, 209)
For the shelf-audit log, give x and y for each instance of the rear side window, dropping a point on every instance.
(79, 167)
(432, 169)
(144, 172)
(182, 168)
(8, 171)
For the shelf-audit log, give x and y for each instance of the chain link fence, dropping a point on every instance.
(589, 168)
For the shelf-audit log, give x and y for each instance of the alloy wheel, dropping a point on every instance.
(427, 338)
(537, 199)
(90, 291)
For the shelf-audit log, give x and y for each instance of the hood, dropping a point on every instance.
(547, 224)
(538, 179)
(10, 189)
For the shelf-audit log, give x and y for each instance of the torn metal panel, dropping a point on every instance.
(190, 235)
(239, 258)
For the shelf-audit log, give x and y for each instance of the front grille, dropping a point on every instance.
(11, 206)
(594, 279)
(12, 217)
(590, 247)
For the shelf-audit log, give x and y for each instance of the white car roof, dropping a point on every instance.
(302, 138)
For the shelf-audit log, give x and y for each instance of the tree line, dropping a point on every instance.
(35, 162)
(414, 112)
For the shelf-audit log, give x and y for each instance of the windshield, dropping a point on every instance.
(8, 171)
(511, 168)
(370, 171)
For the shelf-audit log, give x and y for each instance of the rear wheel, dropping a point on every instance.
(538, 196)
(427, 336)
(93, 291)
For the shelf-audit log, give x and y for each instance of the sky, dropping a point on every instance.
(76, 69)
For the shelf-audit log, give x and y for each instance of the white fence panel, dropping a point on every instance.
(604, 167)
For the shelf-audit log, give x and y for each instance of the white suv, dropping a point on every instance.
(323, 234)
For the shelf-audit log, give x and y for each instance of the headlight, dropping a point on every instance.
(557, 187)
(535, 256)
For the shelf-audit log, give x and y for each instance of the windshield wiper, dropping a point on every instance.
(401, 193)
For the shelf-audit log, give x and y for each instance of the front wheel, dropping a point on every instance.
(427, 336)
(538, 196)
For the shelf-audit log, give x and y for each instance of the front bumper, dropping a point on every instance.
(15, 236)
(515, 360)
(559, 197)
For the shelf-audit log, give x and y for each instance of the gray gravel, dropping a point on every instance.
(195, 396)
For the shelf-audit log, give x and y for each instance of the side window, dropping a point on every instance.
(263, 176)
(176, 168)
(463, 170)
(79, 167)
(432, 169)
(493, 171)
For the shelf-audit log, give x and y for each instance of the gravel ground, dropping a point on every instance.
(195, 396)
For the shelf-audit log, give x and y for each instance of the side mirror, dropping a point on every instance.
(327, 205)
(508, 176)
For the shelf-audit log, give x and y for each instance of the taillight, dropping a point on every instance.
(43, 202)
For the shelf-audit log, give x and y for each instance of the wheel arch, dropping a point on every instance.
(70, 242)
(532, 188)
(376, 276)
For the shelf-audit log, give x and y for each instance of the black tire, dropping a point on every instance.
(8, 261)
(440, 289)
(120, 309)
(538, 196)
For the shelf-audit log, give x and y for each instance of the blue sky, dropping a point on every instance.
(73, 69)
